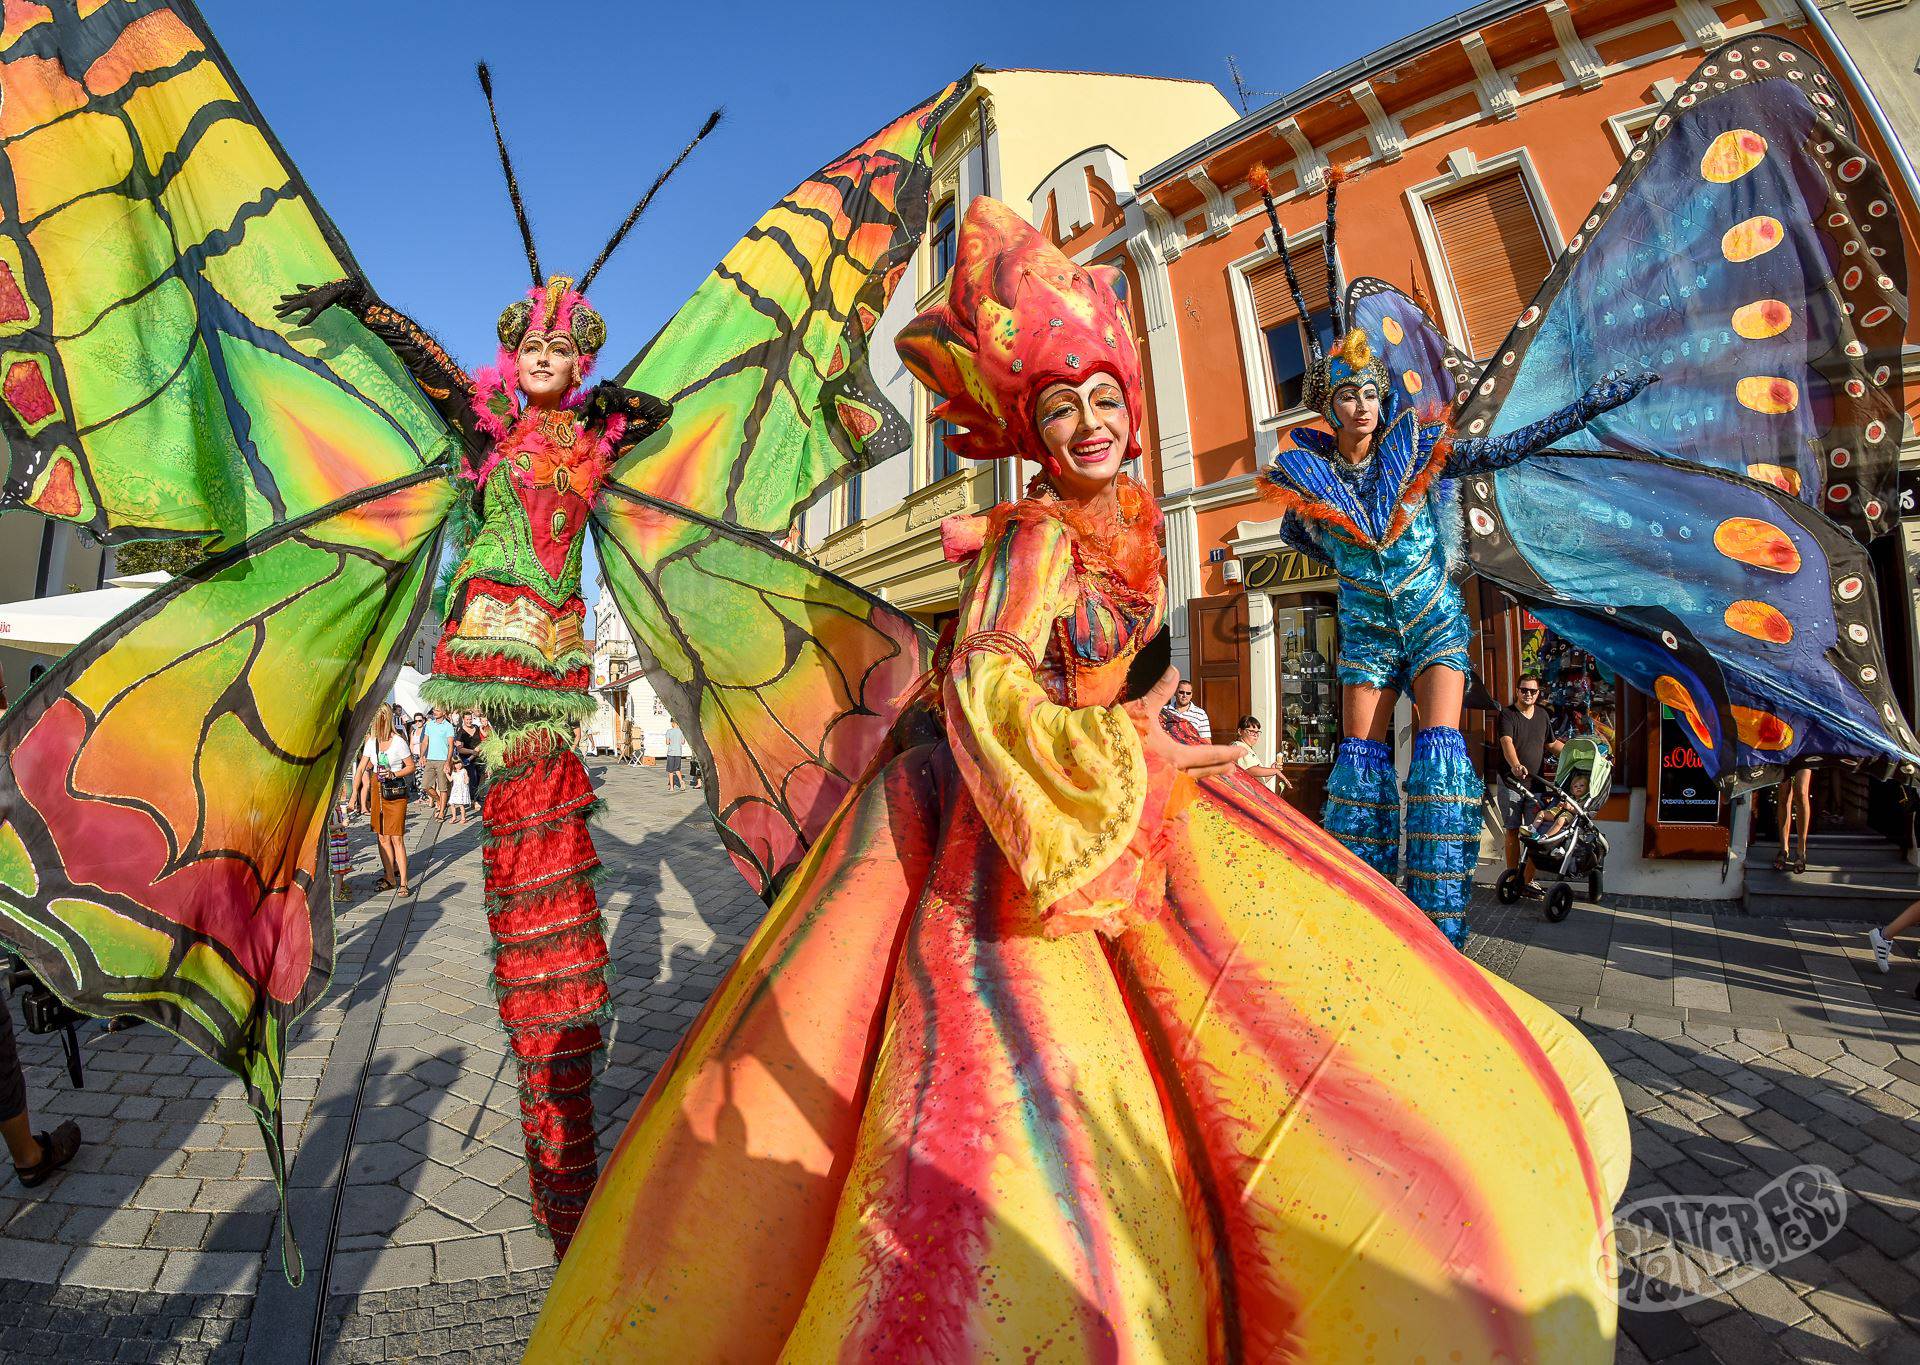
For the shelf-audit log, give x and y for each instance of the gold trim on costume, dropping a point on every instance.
(522, 620)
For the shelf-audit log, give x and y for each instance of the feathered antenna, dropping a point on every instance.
(1263, 182)
(1334, 176)
(713, 121)
(513, 184)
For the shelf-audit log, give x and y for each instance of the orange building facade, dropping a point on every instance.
(1472, 146)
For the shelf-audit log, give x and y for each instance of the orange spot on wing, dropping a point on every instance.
(1759, 543)
(1782, 478)
(1673, 693)
(1767, 393)
(1755, 236)
(152, 42)
(1732, 155)
(37, 90)
(1762, 318)
(1759, 620)
(1761, 729)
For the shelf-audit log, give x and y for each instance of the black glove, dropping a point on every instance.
(315, 299)
(642, 409)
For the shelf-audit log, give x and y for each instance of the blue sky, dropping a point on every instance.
(378, 106)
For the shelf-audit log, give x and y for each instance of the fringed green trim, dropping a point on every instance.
(521, 653)
(513, 707)
(591, 876)
(546, 826)
(462, 526)
(493, 749)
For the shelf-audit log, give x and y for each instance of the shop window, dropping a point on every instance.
(942, 240)
(1581, 693)
(944, 460)
(1309, 721)
(1495, 251)
(852, 504)
(1278, 318)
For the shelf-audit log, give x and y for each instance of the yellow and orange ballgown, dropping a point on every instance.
(1046, 1054)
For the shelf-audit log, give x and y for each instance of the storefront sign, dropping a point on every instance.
(1909, 486)
(1282, 568)
(1687, 795)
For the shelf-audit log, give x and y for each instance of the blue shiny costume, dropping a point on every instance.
(1389, 527)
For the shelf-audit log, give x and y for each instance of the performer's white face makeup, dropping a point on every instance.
(1084, 429)
(1357, 408)
(547, 365)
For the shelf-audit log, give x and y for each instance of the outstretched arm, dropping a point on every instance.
(1483, 454)
(437, 373)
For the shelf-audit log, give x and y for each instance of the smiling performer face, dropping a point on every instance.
(1355, 413)
(1084, 429)
(547, 365)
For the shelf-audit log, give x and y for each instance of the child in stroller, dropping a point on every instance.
(1558, 830)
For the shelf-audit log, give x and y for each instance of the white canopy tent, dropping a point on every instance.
(54, 625)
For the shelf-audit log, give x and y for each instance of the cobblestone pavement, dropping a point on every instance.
(1742, 1047)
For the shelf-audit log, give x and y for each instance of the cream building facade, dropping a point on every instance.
(40, 557)
(1056, 146)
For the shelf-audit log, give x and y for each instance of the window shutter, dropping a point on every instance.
(1495, 253)
(1273, 301)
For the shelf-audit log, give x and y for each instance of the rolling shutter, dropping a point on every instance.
(1273, 301)
(1495, 253)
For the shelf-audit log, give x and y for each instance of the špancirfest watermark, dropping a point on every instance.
(1733, 1238)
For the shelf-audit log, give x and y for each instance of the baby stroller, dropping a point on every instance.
(1558, 829)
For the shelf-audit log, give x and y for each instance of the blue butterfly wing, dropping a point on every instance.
(1752, 615)
(1425, 369)
(1748, 252)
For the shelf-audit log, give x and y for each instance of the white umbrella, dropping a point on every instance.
(54, 625)
(406, 690)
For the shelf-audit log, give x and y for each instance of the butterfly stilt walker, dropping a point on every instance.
(1704, 536)
(173, 370)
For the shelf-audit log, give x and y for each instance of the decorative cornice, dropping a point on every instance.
(1700, 23)
(1383, 130)
(1310, 168)
(941, 500)
(1162, 229)
(1219, 209)
(1497, 95)
(845, 547)
(1580, 62)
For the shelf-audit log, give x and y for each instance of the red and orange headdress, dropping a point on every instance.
(1018, 317)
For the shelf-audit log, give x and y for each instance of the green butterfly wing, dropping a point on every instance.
(148, 223)
(164, 787)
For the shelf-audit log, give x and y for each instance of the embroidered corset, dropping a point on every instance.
(539, 487)
(1092, 646)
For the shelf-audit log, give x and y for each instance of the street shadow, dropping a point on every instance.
(1706, 1127)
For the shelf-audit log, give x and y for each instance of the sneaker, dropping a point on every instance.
(1882, 950)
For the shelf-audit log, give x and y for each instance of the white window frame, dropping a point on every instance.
(1268, 422)
(1464, 168)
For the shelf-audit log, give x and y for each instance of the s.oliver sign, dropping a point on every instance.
(1687, 794)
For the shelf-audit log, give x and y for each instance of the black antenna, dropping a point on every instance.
(513, 185)
(1245, 94)
(1334, 176)
(1264, 184)
(713, 121)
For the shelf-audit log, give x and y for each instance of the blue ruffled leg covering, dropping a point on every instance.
(1443, 829)
(1363, 804)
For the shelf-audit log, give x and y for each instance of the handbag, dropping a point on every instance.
(393, 788)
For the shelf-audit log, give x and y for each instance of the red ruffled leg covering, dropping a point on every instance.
(550, 967)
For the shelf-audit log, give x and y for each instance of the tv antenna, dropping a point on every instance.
(1245, 94)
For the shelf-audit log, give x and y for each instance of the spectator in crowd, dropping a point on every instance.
(1524, 747)
(1882, 939)
(389, 763)
(436, 757)
(1182, 707)
(466, 749)
(416, 737)
(36, 1156)
(339, 852)
(459, 793)
(676, 745)
(1252, 759)
(1792, 798)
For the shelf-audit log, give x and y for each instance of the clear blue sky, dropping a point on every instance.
(378, 106)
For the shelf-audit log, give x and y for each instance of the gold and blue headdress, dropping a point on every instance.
(1352, 360)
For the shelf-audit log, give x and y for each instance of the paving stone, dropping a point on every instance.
(471, 1258)
(112, 1267)
(180, 1231)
